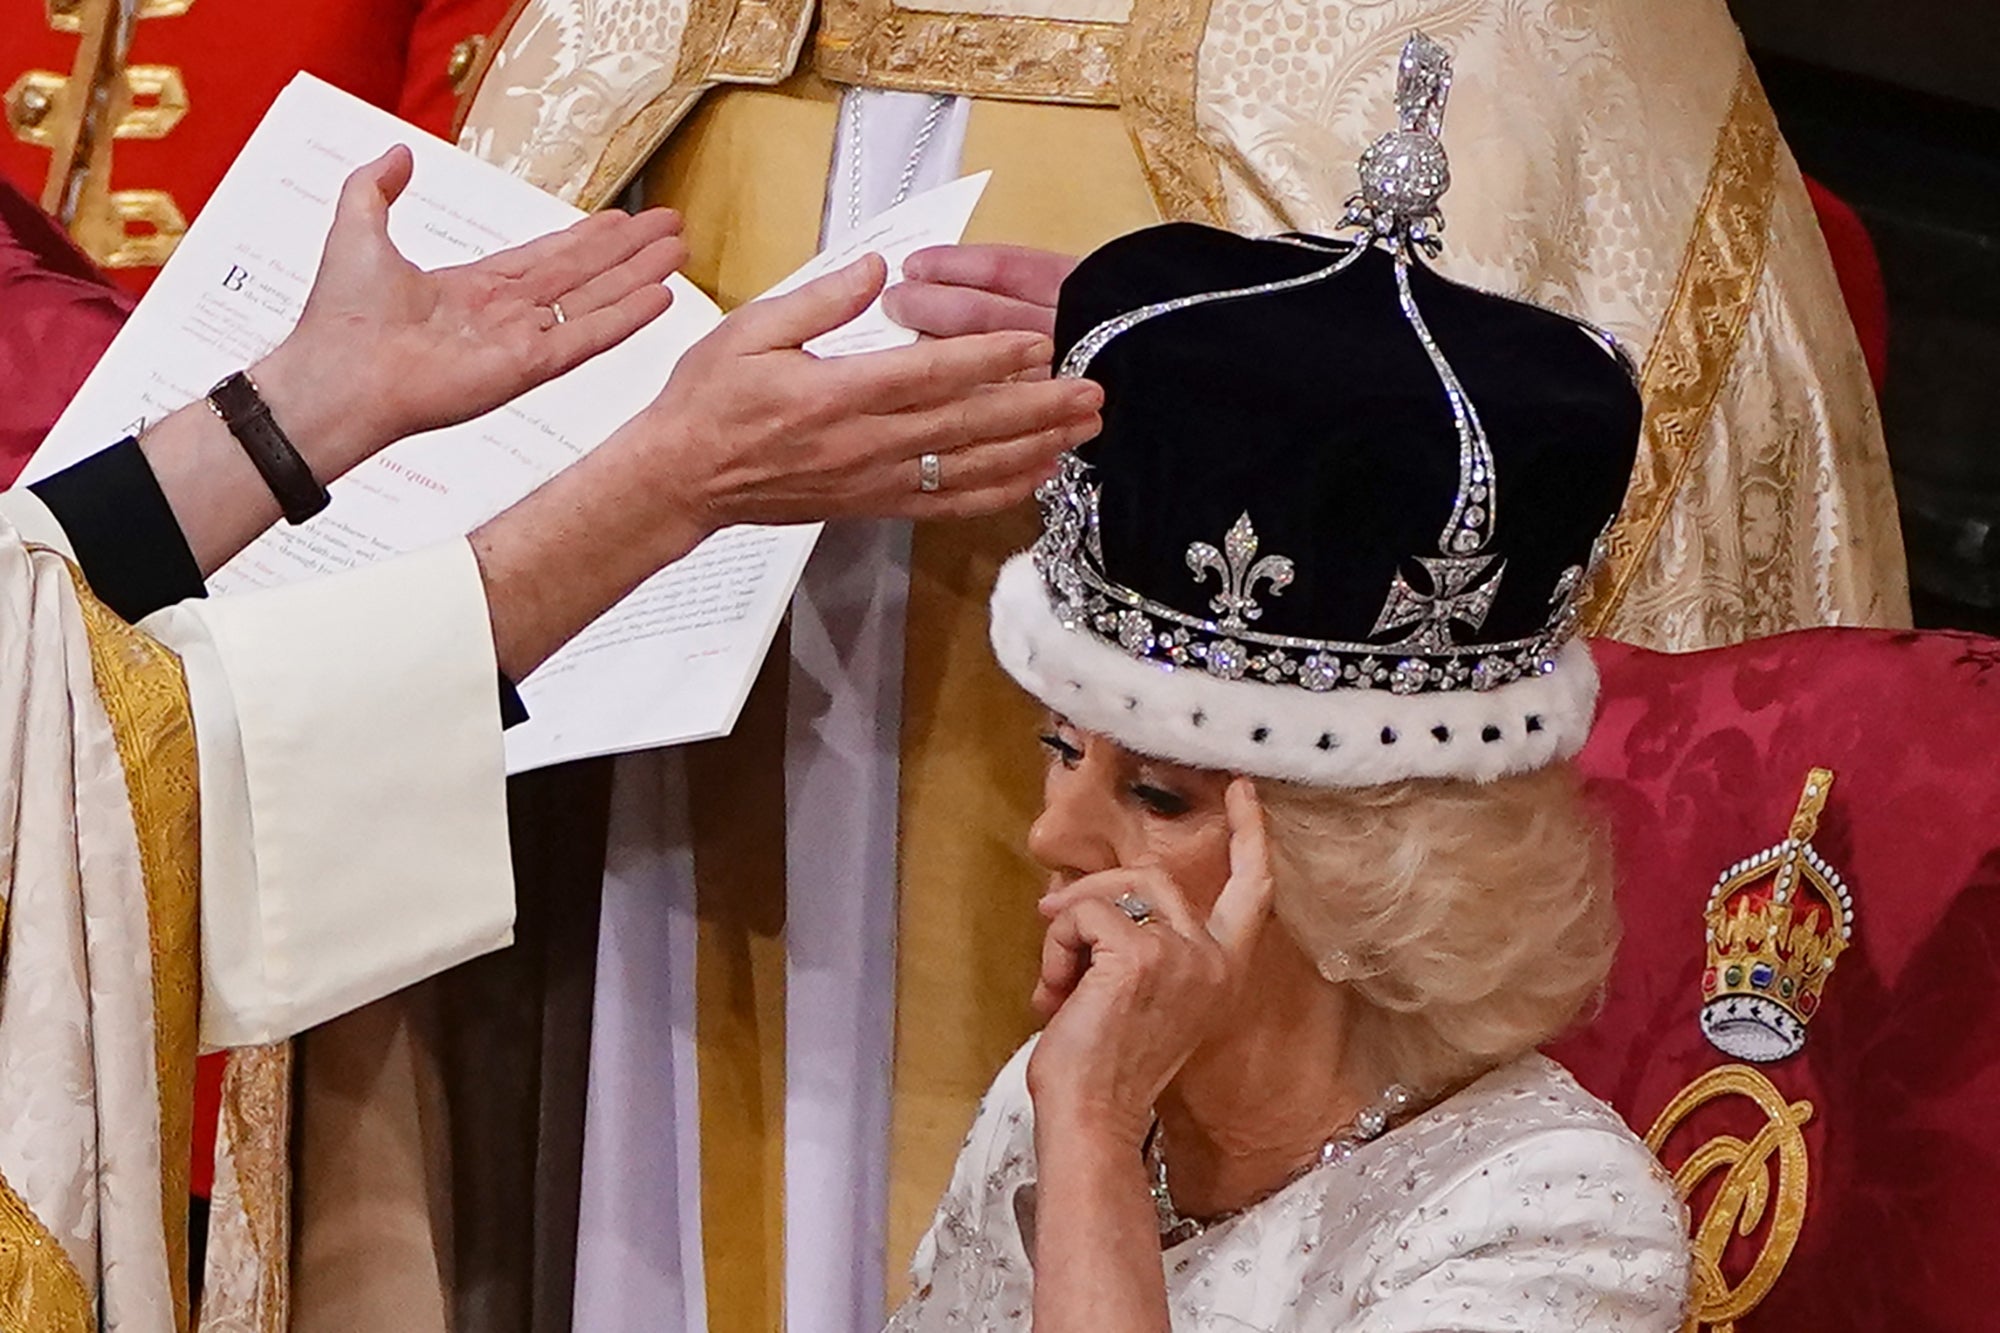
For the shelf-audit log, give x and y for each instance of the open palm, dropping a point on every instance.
(411, 351)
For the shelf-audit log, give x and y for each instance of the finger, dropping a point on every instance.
(1025, 274)
(592, 247)
(997, 463)
(1245, 903)
(1151, 885)
(1064, 960)
(648, 267)
(1003, 412)
(571, 344)
(370, 189)
(821, 306)
(940, 311)
(931, 373)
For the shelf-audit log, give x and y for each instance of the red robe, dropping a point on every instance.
(187, 90)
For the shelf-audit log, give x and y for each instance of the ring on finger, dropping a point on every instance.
(1135, 907)
(555, 309)
(930, 474)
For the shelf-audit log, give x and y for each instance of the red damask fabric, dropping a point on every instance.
(1698, 761)
(60, 316)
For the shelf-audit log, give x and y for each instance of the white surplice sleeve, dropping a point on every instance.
(353, 799)
(353, 783)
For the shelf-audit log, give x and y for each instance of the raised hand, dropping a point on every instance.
(384, 349)
(753, 429)
(1128, 1003)
(760, 431)
(950, 290)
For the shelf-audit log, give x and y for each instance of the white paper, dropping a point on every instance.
(674, 661)
(936, 217)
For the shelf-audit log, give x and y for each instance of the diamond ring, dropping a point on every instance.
(1132, 905)
(930, 474)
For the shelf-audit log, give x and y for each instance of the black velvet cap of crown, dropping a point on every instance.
(1318, 412)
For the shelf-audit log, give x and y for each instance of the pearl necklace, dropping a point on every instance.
(1370, 1124)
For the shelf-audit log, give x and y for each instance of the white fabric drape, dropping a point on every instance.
(842, 771)
(639, 1266)
(353, 800)
(637, 1258)
(79, 1110)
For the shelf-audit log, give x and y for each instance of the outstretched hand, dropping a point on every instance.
(384, 349)
(1127, 1003)
(951, 290)
(758, 430)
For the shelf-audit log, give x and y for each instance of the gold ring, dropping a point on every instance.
(555, 308)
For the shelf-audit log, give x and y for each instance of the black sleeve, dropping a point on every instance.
(131, 547)
(123, 531)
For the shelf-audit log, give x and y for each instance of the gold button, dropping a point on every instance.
(463, 57)
(31, 107)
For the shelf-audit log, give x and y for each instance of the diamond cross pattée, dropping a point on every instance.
(1461, 590)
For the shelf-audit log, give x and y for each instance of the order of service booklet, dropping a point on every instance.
(674, 661)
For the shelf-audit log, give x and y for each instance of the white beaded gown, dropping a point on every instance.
(1520, 1203)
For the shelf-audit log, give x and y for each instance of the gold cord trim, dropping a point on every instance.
(1748, 1190)
(145, 696)
(1698, 338)
(1158, 80)
(40, 1289)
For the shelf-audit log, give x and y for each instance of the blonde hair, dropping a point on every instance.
(1472, 921)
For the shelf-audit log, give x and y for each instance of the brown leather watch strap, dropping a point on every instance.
(248, 417)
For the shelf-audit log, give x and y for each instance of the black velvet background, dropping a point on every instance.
(1318, 413)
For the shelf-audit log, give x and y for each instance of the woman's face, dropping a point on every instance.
(1104, 807)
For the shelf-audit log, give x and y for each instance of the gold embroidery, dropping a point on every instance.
(637, 138)
(1748, 1190)
(1158, 78)
(40, 1289)
(880, 44)
(77, 118)
(145, 698)
(763, 40)
(249, 1256)
(1698, 338)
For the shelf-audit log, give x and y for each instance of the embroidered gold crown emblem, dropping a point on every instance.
(1777, 922)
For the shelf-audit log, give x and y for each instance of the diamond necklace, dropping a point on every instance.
(1369, 1124)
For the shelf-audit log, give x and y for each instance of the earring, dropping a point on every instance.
(1336, 966)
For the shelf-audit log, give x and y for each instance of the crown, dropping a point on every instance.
(1777, 922)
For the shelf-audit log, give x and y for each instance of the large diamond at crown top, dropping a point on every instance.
(1404, 175)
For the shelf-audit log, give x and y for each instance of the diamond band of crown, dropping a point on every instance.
(1431, 605)
(1070, 558)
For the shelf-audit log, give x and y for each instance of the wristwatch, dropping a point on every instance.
(248, 417)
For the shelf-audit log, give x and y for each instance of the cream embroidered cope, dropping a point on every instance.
(1520, 1203)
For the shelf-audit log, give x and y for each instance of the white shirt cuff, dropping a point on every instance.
(353, 799)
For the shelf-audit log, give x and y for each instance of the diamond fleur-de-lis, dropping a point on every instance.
(1461, 591)
(1239, 573)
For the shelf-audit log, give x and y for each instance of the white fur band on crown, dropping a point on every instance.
(1339, 738)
